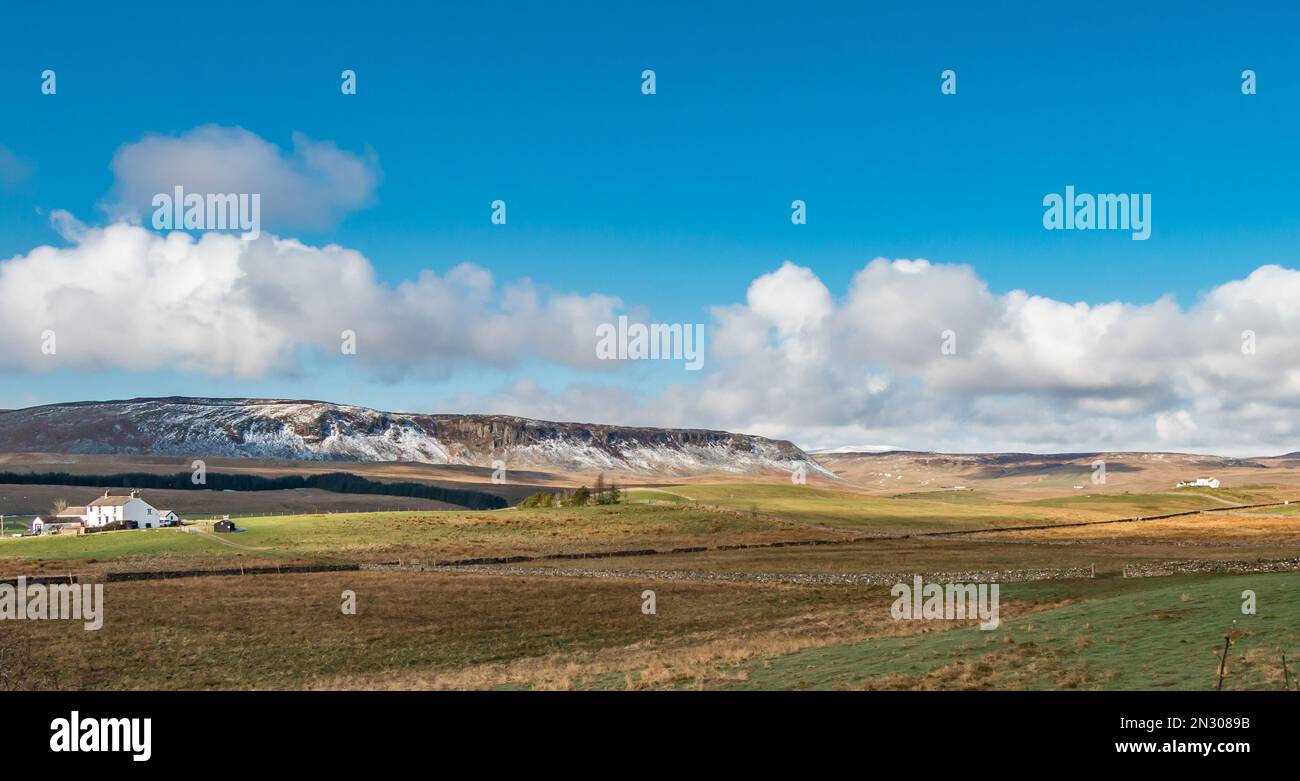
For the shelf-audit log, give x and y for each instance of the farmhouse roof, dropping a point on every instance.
(71, 512)
(111, 501)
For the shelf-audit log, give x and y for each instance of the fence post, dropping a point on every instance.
(1223, 662)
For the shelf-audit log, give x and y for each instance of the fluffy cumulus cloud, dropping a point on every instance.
(311, 186)
(793, 359)
(126, 298)
(1027, 372)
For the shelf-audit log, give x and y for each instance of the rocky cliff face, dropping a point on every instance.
(313, 430)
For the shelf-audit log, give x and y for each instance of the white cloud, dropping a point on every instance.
(312, 187)
(1030, 373)
(123, 297)
(1175, 427)
(792, 360)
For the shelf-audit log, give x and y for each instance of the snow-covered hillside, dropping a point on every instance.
(313, 430)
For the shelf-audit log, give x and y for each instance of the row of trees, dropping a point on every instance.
(338, 482)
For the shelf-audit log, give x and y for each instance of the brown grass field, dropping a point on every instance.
(757, 617)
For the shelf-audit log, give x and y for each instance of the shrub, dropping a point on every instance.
(539, 499)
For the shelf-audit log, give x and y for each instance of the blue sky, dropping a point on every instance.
(678, 201)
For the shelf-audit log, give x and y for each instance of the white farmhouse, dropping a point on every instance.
(1200, 482)
(112, 509)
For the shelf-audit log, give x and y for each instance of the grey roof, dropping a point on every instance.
(112, 501)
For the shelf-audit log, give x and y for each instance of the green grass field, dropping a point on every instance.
(1162, 633)
(1177, 500)
(405, 535)
(857, 512)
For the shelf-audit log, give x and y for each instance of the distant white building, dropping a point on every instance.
(1200, 482)
(114, 509)
(109, 509)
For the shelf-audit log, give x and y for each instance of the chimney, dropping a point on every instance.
(135, 492)
(106, 493)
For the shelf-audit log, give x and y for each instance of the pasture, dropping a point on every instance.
(726, 616)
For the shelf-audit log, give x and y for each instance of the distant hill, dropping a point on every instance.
(317, 430)
(902, 471)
